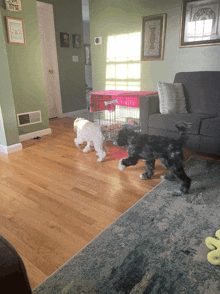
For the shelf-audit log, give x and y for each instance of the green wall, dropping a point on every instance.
(8, 124)
(26, 67)
(112, 17)
(21, 68)
(68, 19)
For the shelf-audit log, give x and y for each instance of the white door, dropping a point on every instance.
(49, 54)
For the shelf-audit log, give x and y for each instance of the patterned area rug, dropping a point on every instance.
(157, 246)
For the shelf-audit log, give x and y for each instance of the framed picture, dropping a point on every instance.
(88, 54)
(15, 31)
(64, 40)
(153, 37)
(200, 23)
(76, 41)
(14, 5)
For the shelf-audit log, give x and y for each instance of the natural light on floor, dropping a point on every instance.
(123, 62)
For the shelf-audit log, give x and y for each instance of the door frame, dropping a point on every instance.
(54, 58)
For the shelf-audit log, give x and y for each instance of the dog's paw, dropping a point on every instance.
(101, 156)
(145, 176)
(120, 165)
(168, 177)
(86, 149)
(184, 190)
(185, 187)
(77, 144)
(101, 159)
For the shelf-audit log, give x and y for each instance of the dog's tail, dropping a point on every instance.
(182, 128)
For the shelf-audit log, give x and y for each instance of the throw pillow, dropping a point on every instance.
(171, 97)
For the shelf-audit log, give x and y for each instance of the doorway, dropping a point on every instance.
(86, 40)
(49, 55)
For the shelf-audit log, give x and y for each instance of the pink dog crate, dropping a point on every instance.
(114, 109)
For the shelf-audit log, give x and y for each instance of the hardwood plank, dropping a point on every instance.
(55, 199)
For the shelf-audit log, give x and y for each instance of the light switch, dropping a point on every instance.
(75, 58)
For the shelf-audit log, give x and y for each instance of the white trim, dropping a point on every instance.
(35, 134)
(11, 148)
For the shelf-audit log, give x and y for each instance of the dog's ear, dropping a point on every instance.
(126, 136)
(75, 124)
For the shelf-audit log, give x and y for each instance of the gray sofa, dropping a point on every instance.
(202, 94)
(13, 275)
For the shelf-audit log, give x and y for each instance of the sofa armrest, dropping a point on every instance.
(13, 275)
(148, 105)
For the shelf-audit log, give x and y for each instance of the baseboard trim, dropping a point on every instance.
(11, 148)
(35, 134)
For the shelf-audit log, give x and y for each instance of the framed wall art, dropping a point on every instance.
(88, 54)
(14, 5)
(200, 23)
(64, 40)
(15, 31)
(76, 41)
(153, 37)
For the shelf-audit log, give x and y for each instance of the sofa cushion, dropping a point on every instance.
(201, 89)
(168, 121)
(192, 143)
(211, 127)
(171, 98)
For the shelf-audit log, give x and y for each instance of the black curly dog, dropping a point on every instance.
(149, 148)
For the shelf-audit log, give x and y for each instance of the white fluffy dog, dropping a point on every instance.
(92, 134)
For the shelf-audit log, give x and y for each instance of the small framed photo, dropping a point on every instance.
(153, 37)
(14, 5)
(64, 40)
(76, 41)
(88, 54)
(15, 31)
(200, 23)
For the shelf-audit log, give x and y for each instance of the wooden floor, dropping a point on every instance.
(55, 199)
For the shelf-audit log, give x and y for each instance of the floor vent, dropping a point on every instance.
(29, 118)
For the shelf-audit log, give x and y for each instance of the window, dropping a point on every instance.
(123, 62)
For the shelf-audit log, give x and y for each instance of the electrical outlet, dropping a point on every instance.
(75, 58)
